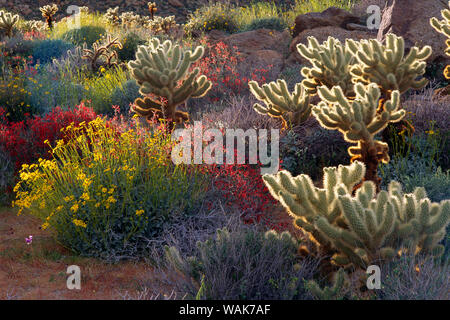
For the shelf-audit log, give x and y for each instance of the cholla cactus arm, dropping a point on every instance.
(336, 292)
(292, 108)
(443, 27)
(331, 65)
(387, 66)
(105, 51)
(152, 8)
(48, 12)
(360, 120)
(7, 22)
(162, 69)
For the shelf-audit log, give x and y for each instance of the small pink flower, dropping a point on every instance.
(29, 240)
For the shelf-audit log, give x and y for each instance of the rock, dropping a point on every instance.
(330, 17)
(411, 20)
(267, 59)
(256, 40)
(176, 3)
(442, 93)
(322, 34)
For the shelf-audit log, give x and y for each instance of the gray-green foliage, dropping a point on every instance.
(336, 291)
(364, 227)
(6, 175)
(124, 95)
(273, 23)
(162, 69)
(246, 264)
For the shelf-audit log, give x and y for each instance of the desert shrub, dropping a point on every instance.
(47, 50)
(101, 198)
(274, 23)
(48, 93)
(247, 264)
(214, 16)
(13, 98)
(309, 149)
(415, 278)
(6, 176)
(130, 43)
(123, 95)
(292, 75)
(85, 34)
(18, 45)
(100, 87)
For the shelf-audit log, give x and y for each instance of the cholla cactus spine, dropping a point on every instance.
(162, 69)
(293, 108)
(7, 22)
(331, 65)
(360, 120)
(443, 27)
(48, 12)
(387, 66)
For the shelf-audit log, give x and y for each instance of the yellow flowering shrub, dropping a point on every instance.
(103, 191)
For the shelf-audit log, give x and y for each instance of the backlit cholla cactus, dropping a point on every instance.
(48, 12)
(387, 66)
(359, 120)
(105, 51)
(7, 22)
(292, 108)
(365, 227)
(443, 27)
(152, 8)
(161, 25)
(331, 65)
(162, 70)
(112, 16)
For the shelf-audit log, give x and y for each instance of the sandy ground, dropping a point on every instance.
(38, 270)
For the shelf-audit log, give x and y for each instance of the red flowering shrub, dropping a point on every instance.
(220, 66)
(25, 141)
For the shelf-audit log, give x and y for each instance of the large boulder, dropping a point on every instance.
(411, 20)
(333, 17)
(322, 34)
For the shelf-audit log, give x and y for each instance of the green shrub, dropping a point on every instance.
(273, 23)
(130, 43)
(102, 198)
(47, 93)
(214, 16)
(47, 50)
(244, 264)
(13, 98)
(309, 152)
(124, 95)
(85, 34)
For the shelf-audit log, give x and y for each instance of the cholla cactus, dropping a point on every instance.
(443, 27)
(33, 25)
(152, 8)
(162, 25)
(293, 109)
(84, 10)
(336, 292)
(331, 65)
(7, 22)
(112, 16)
(366, 227)
(105, 51)
(162, 69)
(130, 19)
(359, 120)
(387, 66)
(48, 12)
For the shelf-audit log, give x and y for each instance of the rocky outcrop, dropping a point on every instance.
(411, 20)
(331, 17)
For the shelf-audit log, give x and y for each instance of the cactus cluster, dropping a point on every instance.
(331, 65)
(365, 227)
(359, 120)
(106, 51)
(7, 22)
(48, 12)
(387, 65)
(443, 27)
(293, 108)
(161, 25)
(162, 70)
(112, 16)
(335, 292)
